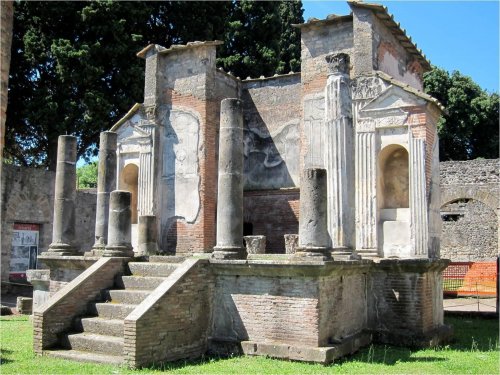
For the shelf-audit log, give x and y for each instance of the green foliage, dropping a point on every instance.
(260, 40)
(470, 128)
(87, 176)
(74, 70)
(473, 351)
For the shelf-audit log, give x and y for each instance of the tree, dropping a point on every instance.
(470, 128)
(87, 176)
(74, 69)
(260, 39)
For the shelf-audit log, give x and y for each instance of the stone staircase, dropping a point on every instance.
(98, 337)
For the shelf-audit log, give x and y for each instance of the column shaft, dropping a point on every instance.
(230, 184)
(313, 225)
(120, 225)
(106, 183)
(63, 230)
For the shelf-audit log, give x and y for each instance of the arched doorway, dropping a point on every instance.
(129, 181)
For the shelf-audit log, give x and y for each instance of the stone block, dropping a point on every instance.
(24, 305)
(291, 243)
(255, 244)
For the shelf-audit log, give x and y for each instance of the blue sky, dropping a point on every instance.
(454, 35)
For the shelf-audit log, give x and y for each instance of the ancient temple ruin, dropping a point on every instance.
(331, 175)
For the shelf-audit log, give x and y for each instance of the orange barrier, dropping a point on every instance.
(470, 279)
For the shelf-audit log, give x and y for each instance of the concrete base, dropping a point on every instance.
(61, 249)
(305, 253)
(324, 354)
(118, 251)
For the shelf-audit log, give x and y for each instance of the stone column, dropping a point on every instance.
(63, 230)
(106, 182)
(120, 225)
(40, 279)
(147, 235)
(230, 186)
(418, 197)
(339, 151)
(313, 227)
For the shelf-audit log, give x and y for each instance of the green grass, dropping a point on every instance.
(474, 351)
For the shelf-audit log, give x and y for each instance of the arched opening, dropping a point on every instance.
(129, 181)
(394, 177)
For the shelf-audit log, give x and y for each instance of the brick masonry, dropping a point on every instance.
(56, 316)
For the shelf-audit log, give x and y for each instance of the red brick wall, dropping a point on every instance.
(273, 213)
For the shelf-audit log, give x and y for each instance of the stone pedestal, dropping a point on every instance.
(24, 305)
(230, 185)
(255, 244)
(40, 279)
(119, 226)
(63, 231)
(313, 231)
(106, 182)
(147, 241)
(291, 243)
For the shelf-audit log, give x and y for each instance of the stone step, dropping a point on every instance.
(91, 342)
(80, 356)
(109, 327)
(139, 282)
(166, 259)
(126, 296)
(111, 310)
(151, 269)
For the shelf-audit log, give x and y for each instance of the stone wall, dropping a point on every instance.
(28, 197)
(470, 194)
(272, 213)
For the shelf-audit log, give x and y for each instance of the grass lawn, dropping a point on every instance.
(475, 350)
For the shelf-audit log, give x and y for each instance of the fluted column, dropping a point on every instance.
(230, 184)
(313, 223)
(366, 203)
(146, 170)
(418, 198)
(63, 230)
(120, 225)
(339, 151)
(106, 182)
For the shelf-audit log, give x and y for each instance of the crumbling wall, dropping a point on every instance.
(28, 197)
(470, 194)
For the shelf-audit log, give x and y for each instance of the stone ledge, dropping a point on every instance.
(323, 354)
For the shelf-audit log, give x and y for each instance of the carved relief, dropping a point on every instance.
(366, 87)
(272, 160)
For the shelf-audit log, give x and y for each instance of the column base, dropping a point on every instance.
(344, 253)
(62, 249)
(368, 253)
(312, 253)
(229, 252)
(118, 251)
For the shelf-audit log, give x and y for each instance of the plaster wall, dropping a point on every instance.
(272, 112)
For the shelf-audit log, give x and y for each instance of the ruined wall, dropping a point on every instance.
(392, 58)
(470, 194)
(28, 197)
(272, 213)
(272, 111)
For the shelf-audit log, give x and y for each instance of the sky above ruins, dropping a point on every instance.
(454, 35)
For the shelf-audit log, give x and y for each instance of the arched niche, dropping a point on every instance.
(129, 181)
(394, 178)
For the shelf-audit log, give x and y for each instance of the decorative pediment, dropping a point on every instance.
(392, 101)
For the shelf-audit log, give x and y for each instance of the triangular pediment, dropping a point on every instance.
(393, 99)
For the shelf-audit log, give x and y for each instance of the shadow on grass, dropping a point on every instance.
(203, 360)
(474, 334)
(3, 360)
